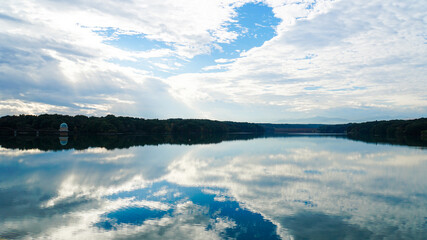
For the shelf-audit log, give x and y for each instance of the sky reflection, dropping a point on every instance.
(267, 188)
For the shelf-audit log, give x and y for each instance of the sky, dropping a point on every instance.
(279, 61)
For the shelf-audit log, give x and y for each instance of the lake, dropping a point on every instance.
(282, 187)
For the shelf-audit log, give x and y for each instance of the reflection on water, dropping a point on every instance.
(63, 140)
(265, 188)
(81, 142)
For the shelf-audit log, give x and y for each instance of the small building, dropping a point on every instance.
(63, 128)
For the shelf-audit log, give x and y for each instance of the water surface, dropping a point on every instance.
(263, 188)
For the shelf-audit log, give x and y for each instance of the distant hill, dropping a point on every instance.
(304, 128)
(290, 128)
(317, 119)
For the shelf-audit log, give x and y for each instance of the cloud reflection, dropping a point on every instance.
(295, 188)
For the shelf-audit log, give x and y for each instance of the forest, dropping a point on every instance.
(391, 128)
(110, 124)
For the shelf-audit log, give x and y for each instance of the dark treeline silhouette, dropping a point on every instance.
(110, 124)
(389, 129)
(385, 129)
(188, 131)
(400, 132)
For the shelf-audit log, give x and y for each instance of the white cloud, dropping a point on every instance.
(223, 60)
(21, 107)
(360, 55)
(53, 58)
(185, 24)
(366, 58)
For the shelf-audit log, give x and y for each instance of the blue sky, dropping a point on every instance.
(258, 61)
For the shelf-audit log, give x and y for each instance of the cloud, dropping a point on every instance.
(53, 56)
(223, 60)
(62, 80)
(364, 57)
(190, 26)
(177, 59)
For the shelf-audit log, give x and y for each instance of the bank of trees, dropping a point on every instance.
(111, 124)
(392, 128)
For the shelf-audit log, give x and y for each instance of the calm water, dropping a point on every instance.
(264, 188)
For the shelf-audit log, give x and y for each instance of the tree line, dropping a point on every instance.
(391, 129)
(111, 124)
